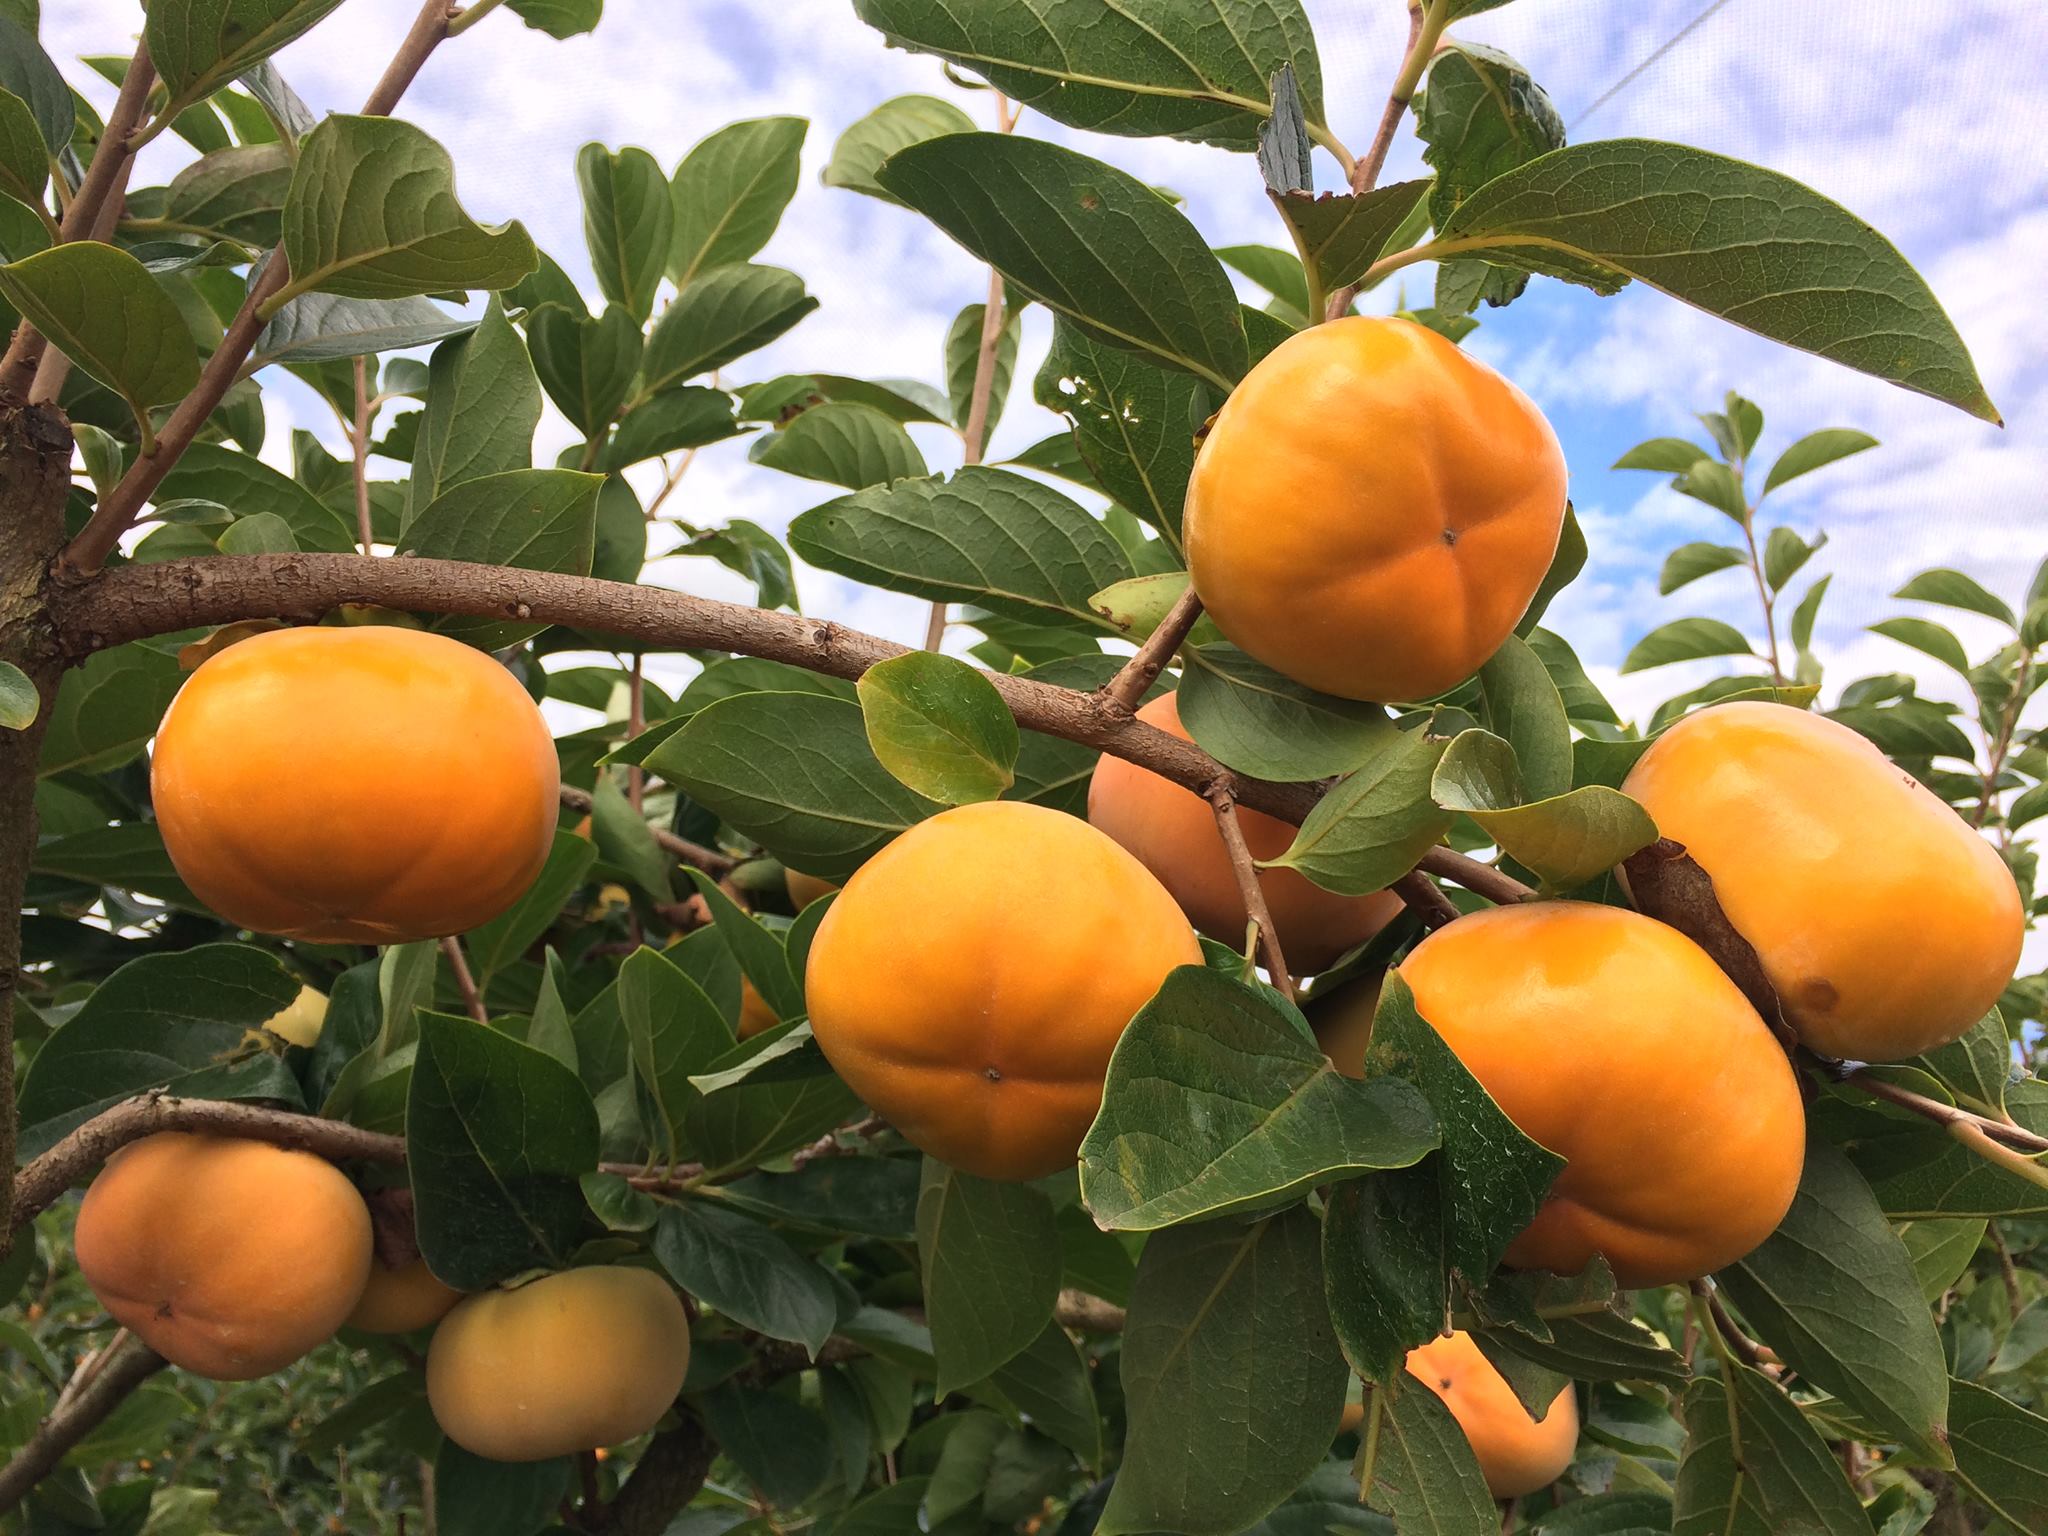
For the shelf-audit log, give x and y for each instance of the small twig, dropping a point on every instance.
(465, 983)
(830, 1144)
(710, 860)
(1480, 879)
(1972, 1134)
(1746, 1349)
(1426, 22)
(359, 441)
(1947, 1115)
(636, 722)
(1087, 1314)
(115, 1372)
(674, 479)
(1425, 899)
(2007, 1270)
(1224, 804)
(1143, 669)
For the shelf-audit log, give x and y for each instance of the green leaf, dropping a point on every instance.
(1925, 636)
(745, 1271)
(1813, 275)
(780, 1447)
(559, 18)
(2001, 1453)
(1253, 719)
(371, 214)
(1523, 707)
(24, 158)
(1814, 451)
(626, 842)
(199, 46)
(108, 708)
(1340, 235)
(1421, 1470)
(483, 403)
(895, 124)
(940, 726)
(318, 327)
(1481, 116)
(237, 194)
(1689, 562)
(103, 310)
(1375, 823)
(726, 313)
(1049, 1382)
(1219, 1100)
(1784, 553)
(685, 417)
(990, 1257)
(795, 772)
(1833, 1291)
(1278, 272)
(1192, 69)
(1717, 485)
(27, 73)
(1567, 839)
(18, 699)
(533, 519)
(475, 1497)
(587, 364)
(497, 1135)
(173, 1020)
(729, 193)
(1952, 589)
(842, 442)
(760, 953)
(1754, 1466)
(1229, 1316)
(509, 935)
(674, 1032)
(1138, 605)
(985, 536)
(963, 359)
(627, 219)
(1685, 640)
(1134, 421)
(1808, 609)
(1088, 241)
(1666, 455)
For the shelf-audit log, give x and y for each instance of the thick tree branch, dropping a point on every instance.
(1142, 670)
(102, 1384)
(1246, 873)
(116, 514)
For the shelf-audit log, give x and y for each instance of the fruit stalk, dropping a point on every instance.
(100, 1385)
(1139, 673)
(1247, 874)
(710, 860)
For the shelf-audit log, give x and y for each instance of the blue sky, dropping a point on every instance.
(1926, 120)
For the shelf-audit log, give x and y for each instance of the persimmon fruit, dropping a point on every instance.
(229, 1257)
(805, 889)
(1373, 510)
(1172, 831)
(300, 1021)
(1343, 1022)
(355, 786)
(569, 1362)
(972, 978)
(1617, 1043)
(757, 1015)
(1886, 924)
(1517, 1453)
(402, 1299)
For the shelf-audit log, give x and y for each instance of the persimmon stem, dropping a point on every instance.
(101, 1384)
(1745, 1349)
(1142, 670)
(465, 983)
(116, 514)
(359, 443)
(1480, 879)
(1246, 872)
(1949, 1116)
(1974, 1136)
(710, 860)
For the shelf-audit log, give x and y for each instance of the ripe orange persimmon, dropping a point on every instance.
(355, 786)
(1173, 833)
(1887, 925)
(1617, 1043)
(757, 1017)
(1373, 510)
(973, 977)
(402, 1300)
(231, 1258)
(569, 1362)
(1343, 1023)
(805, 889)
(1517, 1454)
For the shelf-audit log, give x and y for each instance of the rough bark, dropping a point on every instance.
(82, 1409)
(35, 477)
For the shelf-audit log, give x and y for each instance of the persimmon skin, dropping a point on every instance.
(1517, 1454)
(300, 1021)
(569, 1362)
(402, 1300)
(1173, 833)
(756, 1016)
(355, 786)
(1617, 1043)
(972, 978)
(1373, 509)
(1343, 1023)
(1886, 924)
(228, 1257)
(805, 889)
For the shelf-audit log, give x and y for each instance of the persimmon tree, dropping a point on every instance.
(1201, 1325)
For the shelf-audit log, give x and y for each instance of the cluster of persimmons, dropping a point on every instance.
(1370, 514)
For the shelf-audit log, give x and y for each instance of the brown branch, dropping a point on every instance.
(1480, 879)
(117, 513)
(1142, 670)
(1746, 1349)
(1426, 22)
(1087, 1314)
(667, 1477)
(359, 442)
(710, 860)
(465, 982)
(43, 1181)
(102, 1383)
(1948, 1116)
(974, 435)
(1426, 899)
(1253, 894)
(99, 191)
